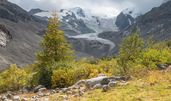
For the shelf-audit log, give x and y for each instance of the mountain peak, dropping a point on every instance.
(78, 11)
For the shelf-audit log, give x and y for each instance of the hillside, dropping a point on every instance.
(19, 40)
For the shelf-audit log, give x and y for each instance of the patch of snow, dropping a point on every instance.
(130, 23)
(67, 20)
(44, 14)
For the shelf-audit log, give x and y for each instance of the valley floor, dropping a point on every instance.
(155, 87)
(135, 91)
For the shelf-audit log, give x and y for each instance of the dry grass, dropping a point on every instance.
(154, 87)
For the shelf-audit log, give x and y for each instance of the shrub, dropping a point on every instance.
(130, 52)
(68, 73)
(63, 78)
(13, 78)
(152, 57)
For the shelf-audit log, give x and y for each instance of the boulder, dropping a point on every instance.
(52, 92)
(3, 97)
(9, 95)
(105, 81)
(16, 98)
(80, 82)
(64, 90)
(97, 86)
(36, 89)
(69, 92)
(112, 84)
(105, 88)
(162, 66)
(42, 89)
(91, 82)
(40, 94)
(81, 93)
(57, 90)
(24, 90)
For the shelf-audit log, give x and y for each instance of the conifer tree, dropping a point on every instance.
(54, 49)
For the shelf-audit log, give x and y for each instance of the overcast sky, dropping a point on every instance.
(99, 7)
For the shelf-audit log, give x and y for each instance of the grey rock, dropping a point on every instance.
(42, 89)
(9, 95)
(64, 90)
(105, 81)
(36, 89)
(3, 97)
(81, 93)
(105, 88)
(16, 98)
(112, 84)
(97, 86)
(93, 81)
(40, 94)
(52, 91)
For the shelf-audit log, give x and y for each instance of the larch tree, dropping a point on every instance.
(55, 49)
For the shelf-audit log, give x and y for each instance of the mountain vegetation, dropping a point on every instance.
(56, 67)
(141, 71)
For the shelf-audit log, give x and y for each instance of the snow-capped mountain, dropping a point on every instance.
(83, 29)
(81, 22)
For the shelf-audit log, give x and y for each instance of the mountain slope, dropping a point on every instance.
(156, 23)
(18, 38)
(82, 28)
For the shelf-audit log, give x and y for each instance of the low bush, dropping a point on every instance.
(13, 78)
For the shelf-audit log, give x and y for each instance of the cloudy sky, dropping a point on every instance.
(98, 7)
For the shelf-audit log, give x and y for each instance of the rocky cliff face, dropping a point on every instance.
(123, 21)
(18, 38)
(155, 23)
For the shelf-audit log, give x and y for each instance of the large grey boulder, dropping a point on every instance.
(92, 82)
(37, 88)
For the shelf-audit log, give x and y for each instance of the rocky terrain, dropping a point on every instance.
(155, 23)
(18, 38)
(40, 93)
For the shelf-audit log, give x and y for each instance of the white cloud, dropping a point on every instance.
(100, 7)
